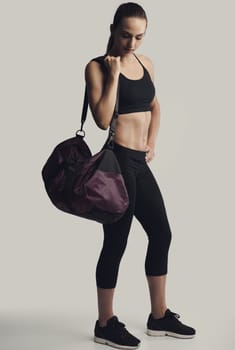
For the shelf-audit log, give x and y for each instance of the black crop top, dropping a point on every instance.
(135, 95)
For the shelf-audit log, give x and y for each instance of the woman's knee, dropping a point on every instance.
(160, 237)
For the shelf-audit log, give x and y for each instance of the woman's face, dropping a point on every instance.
(129, 35)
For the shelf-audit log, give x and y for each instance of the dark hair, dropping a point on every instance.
(128, 9)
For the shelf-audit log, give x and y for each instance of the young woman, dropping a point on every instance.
(134, 142)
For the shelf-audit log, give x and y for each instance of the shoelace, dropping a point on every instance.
(115, 323)
(173, 314)
(121, 327)
(118, 324)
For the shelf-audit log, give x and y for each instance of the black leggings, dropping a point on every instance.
(146, 204)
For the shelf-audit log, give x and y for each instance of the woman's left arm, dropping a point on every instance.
(153, 129)
(155, 119)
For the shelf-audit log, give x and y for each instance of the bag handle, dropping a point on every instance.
(112, 125)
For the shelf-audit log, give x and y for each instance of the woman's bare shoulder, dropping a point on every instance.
(148, 63)
(94, 71)
(145, 59)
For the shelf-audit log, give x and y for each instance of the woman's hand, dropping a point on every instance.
(149, 153)
(113, 65)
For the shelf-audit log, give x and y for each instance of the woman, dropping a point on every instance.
(134, 141)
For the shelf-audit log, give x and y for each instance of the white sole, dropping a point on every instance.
(171, 334)
(117, 346)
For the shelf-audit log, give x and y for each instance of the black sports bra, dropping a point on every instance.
(135, 95)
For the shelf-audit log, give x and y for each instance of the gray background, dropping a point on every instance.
(47, 257)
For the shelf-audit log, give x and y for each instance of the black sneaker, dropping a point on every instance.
(115, 334)
(169, 325)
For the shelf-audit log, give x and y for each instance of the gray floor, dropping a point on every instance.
(74, 330)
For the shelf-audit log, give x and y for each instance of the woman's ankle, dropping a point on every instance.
(103, 319)
(159, 313)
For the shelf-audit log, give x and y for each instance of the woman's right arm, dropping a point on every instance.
(102, 92)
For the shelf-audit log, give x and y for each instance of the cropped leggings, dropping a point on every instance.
(147, 205)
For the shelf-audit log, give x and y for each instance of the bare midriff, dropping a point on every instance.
(132, 130)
